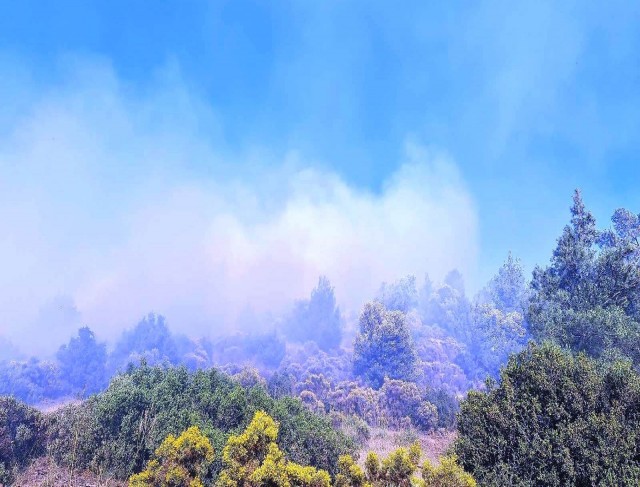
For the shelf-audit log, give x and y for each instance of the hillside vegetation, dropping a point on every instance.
(538, 381)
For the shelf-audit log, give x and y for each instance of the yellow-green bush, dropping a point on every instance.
(350, 474)
(447, 474)
(399, 470)
(178, 462)
(253, 458)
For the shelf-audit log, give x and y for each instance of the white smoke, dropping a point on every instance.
(121, 203)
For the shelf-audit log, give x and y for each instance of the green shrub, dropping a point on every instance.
(447, 474)
(555, 419)
(119, 430)
(22, 437)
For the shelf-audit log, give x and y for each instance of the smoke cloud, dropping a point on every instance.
(116, 201)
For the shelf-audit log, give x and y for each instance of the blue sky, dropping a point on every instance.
(529, 100)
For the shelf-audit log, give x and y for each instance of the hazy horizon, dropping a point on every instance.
(205, 160)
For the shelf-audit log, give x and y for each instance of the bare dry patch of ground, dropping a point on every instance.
(383, 441)
(50, 406)
(43, 472)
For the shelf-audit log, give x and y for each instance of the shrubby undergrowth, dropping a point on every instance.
(117, 431)
(22, 437)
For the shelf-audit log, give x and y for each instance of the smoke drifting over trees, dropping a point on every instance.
(319, 244)
(419, 358)
(92, 246)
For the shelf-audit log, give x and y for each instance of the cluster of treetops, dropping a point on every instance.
(560, 405)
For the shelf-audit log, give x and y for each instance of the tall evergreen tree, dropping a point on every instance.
(384, 347)
(83, 362)
(588, 298)
(507, 290)
(317, 319)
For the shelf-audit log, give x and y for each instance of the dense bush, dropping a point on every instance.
(555, 420)
(446, 405)
(22, 437)
(118, 430)
(178, 462)
(462, 341)
(399, 470)
(308, 359)
(83, 363)
(415, 343)
(439, 355)
(254, 458)
(448, 307)
(384, 346)
(405, 401)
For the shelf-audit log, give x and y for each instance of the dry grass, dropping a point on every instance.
(50, 406)
(43, 472)
(384, 441)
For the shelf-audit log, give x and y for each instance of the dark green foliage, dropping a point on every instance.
(317, 319)
(554, 420)
(118, 430)
(22, 437)
(384, 347)
(83, 363)
(446, 405)
(281, 384)
(588, 298)
(306, 438)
